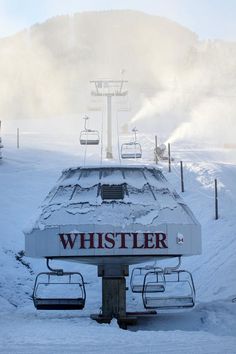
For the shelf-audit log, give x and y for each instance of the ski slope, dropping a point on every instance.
(26, 176)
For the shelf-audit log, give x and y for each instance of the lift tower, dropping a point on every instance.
(109, 88)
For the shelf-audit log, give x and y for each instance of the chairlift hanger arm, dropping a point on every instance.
(85, 122)
(58, 271)
(135, 134)
(169, 270)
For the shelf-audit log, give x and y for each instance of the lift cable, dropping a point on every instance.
(118, 136)
(85, 150)
(101, 151)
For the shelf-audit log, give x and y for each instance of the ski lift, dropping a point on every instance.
(133, 149)
(89, 136)
(179, 291)
(50, 288)
(138, 275)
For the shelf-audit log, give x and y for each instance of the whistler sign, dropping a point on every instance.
(113, 240)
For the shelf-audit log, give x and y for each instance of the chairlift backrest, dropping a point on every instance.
(89, 136)
(138, 275)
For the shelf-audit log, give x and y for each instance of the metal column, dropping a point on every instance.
(109, 88)
(114, 295)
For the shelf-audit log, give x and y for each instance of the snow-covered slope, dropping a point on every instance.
(26, 176)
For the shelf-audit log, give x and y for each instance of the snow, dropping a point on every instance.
(26, 176)
(77, 192)
(148, 218)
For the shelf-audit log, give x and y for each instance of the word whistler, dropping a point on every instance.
(109, 240)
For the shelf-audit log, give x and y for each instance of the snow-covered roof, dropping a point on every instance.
(148, 198)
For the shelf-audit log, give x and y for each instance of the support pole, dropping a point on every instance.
(18, 138)
(156, 158)
(169, 157)
(114, 295)
(216, 201)
(109, 88)
(109, 128)
(182, 176)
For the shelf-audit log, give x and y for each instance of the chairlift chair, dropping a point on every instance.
(138, 275)
(132, 149)
(179, 291)
(49, 291)
(89, 136)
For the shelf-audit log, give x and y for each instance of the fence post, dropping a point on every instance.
(216, 201)
(18, 138)
(182, 176)
(156, 159)
(169, 158)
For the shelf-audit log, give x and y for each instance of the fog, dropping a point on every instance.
(179, 87)
(192, 116)
(200, 104)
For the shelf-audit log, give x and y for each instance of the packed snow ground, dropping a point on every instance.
(26, 176)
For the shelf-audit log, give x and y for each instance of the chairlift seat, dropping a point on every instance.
(131, 155)
(169, 303)
(59, 304)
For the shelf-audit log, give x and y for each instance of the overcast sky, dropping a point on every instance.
(208, 18)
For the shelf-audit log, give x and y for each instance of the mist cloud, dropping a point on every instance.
(177, 84)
